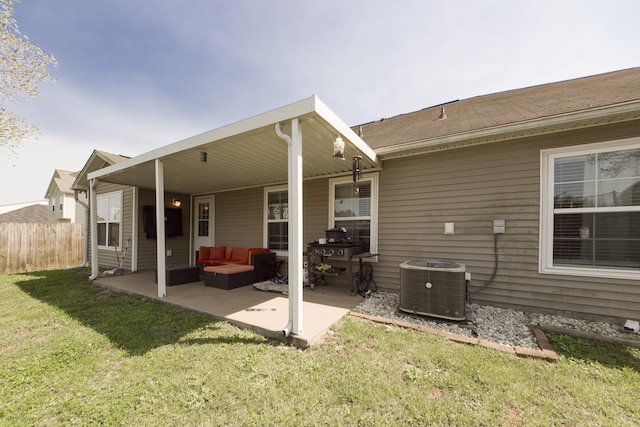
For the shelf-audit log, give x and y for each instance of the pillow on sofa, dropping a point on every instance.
(217, 252)
(203, 252)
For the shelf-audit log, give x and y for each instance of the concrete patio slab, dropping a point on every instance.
(264, 312)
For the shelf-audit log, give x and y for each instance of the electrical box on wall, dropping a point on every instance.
(449, 228)
(499, 226)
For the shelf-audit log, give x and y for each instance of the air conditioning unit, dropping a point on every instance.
(434, 288)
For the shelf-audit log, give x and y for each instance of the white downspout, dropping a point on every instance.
(93, 203)
(294, 164)
(87, 222)
(160, 237)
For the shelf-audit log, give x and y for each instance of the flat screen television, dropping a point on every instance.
(172, 221)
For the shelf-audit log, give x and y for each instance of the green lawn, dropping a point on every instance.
(72, 353)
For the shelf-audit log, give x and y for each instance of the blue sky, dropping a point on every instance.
(135, 75)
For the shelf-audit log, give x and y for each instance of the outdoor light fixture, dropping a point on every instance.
(357, 172)
(176, 203)
(338, 148)
(203, 156)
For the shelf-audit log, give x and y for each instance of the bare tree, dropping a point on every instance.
(23, 67)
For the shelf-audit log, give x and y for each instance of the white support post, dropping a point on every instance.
(134, 230)
(296, 249)
(160, 240)
(93, 220)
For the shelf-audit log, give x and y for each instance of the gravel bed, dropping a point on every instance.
(499, 325)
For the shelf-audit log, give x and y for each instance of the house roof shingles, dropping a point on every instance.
(64, 180)
(112, 158)
(34, 213)
(504, 108)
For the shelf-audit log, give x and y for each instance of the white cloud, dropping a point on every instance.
(73, 123)
(133, 77)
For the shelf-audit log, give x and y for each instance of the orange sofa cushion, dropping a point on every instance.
(203, 252)
(217, 252)
(229, 268)
(240, 255)
(220, 255)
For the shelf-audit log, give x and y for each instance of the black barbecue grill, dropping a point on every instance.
(335, 250)
(318, 254)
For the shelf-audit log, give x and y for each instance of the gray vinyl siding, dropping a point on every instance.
(107, 258)
(239, 221)
(179, 245)
(146, 247)
(316, 209)
(471, 187)
(239, 218)
(467, 186)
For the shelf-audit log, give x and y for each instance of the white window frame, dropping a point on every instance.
(373, 178)
(107, 196)
(267, 221)
(547, 180)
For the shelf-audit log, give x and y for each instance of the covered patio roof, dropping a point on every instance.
(286, 145)
(247, 153)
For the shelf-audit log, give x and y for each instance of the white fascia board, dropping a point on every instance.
(50, 189)
(76, 183)
(288, 112)
(345, 130)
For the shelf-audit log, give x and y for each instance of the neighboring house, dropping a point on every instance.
(558, 163)
(25, 212)
(63, 204)
(14, 206)
(80, 186)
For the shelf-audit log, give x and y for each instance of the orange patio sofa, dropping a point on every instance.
(258, 258)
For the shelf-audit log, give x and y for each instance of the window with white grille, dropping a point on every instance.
(354, 206)
(591, 210)
(109, 215)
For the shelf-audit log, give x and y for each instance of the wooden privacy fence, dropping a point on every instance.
(26, 247)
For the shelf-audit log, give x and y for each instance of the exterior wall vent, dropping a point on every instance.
(434, 288)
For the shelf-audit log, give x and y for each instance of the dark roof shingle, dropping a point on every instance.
(519, 105)
(33, 213)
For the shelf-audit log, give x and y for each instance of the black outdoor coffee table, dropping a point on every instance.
(180, 274)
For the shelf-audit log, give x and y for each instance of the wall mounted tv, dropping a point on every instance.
(172, 221)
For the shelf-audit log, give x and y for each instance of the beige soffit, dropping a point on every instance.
(247, 153)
